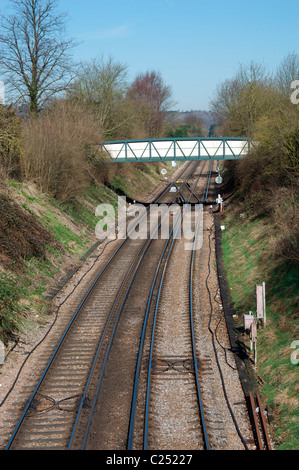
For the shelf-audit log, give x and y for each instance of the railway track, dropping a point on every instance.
(49, 414)
(166, 369)
(126, 371)
(259, 423)
(112, 396)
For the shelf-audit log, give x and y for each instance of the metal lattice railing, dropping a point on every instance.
(179, 149)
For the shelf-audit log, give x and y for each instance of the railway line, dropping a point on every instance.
(161, 364)
(127, 369)
(259, 423)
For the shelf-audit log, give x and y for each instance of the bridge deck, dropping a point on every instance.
(178, 149)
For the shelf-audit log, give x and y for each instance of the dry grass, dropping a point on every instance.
(270, 334)
(21, 235)
(283, 399)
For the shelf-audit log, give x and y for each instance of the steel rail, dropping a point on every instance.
(108, 350)
(199, 398)
(263, 423)
(207, 184)
(205, 194)
(29, 403)
(137, 371)
(137, 259)
(155, 200)
(256, 426)
(142, 338)
(153, 336)
(260, 432)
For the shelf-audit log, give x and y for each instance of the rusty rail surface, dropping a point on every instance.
(259, 423)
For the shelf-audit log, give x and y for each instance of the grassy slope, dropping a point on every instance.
(62, 234)
(248, 261)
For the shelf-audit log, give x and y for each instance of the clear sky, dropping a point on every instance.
(195, 44)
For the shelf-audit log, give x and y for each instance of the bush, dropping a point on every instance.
(10, 310)
(21, 235)
(267, 180)
(10, 153)
(59, 148)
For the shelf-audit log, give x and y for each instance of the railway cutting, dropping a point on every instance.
(131, 362)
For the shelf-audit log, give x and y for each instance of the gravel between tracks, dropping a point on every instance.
(175, 423)
(223, 435)
(29, 340)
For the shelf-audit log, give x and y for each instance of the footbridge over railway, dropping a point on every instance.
(178, 149)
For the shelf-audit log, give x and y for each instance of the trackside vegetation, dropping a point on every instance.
(261, 240)
(53, 175)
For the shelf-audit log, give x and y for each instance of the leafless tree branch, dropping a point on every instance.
(35, 55)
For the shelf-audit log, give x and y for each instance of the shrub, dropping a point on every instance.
(10, 153)
(21, 235)
(267, 180)
(59, 146)
(10, 310)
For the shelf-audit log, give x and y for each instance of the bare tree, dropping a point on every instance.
(287, 72)
(35, 56)
(101, 85)
(153, 98)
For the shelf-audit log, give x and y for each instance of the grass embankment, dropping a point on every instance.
(248, 261)
(42, 239)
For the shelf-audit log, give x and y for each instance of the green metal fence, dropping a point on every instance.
(178, 149)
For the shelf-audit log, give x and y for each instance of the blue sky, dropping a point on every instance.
(194, 44)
